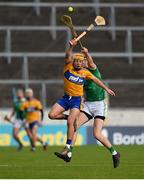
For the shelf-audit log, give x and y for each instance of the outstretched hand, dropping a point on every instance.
(112, 93)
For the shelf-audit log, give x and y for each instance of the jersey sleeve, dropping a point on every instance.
(23, 106)
(88, 75)
(68, 66)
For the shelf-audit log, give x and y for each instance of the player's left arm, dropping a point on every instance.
(102, 85)
(89, 58)
(99, 83)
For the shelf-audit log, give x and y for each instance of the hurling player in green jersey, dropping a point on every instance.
(19, 120)
(94, 108)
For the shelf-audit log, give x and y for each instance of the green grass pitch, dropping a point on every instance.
(87, 162)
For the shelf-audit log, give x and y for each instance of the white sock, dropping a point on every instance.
(114, 153)
(68, 146)
(33, 148)
(44, 143)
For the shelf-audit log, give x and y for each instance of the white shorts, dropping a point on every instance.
(96, 109)
(18, 123)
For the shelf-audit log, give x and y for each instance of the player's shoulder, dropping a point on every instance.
(25, 101)
(68, 65)
(18, 101)
(85, 70)
(36, 100)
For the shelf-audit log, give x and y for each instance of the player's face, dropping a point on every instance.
(29, 95)
(20, 94)
(78, 64)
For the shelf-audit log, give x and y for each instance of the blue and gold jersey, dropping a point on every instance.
(32, 107)
(74, 80)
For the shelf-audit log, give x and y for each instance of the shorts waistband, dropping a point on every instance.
(67, 96)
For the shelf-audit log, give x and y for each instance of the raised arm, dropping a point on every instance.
(90, 61)
(68, 54)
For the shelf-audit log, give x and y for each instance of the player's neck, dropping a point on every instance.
(30, 99)
(77, 69)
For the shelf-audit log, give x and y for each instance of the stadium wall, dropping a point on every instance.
(115, 117)
(126, 127)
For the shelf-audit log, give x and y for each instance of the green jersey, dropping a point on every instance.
(92, 91)
(17, 105)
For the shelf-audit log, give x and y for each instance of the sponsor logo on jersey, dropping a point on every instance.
(75, 79)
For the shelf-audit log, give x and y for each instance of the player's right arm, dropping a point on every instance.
(68, 54)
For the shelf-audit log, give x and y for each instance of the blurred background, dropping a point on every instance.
(32, 48)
